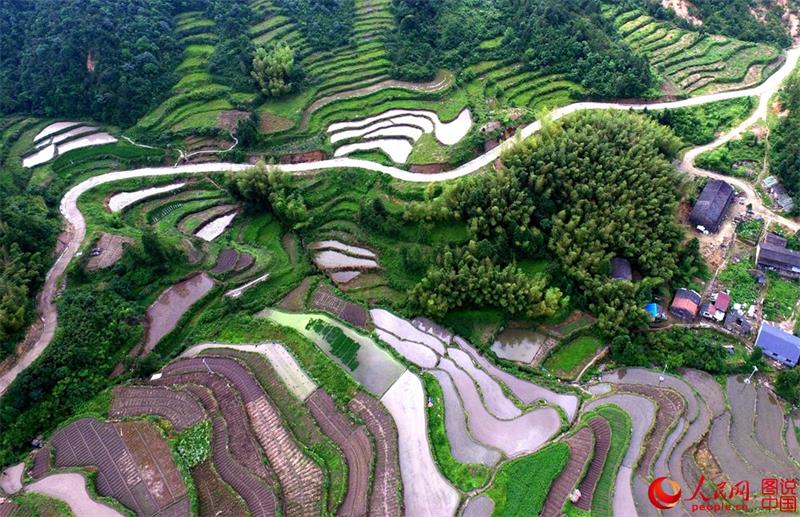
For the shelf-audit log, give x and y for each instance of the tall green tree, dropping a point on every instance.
(273, 68)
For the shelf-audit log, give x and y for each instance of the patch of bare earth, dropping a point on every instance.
(228, 120)
(682, 8)
(271, 123)
(295, 300)
(110, 249)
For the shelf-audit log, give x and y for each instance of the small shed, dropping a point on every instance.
(779, 345)
(621, 269)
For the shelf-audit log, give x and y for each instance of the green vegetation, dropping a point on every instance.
(785, 140)
(192, 446)
(114, 73)
(342, 346)
(620, 424)
(680, 347)
(32, 504)
(735, 18)
(691, 62)
(521, 486)
(743, 158)
(699, 125)
(567, 360)
(750, 230)
(737, 278)
(464, 476)
(787, 385)
(781, 298)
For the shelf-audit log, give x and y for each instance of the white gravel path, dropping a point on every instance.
(426, 493)
(11, 479)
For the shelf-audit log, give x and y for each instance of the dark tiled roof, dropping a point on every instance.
(773, 339)
(709, 211)
(778, 256)
(774, 238)
(621, 269)
(722, 302)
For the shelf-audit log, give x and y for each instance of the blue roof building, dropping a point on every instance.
(779, 345)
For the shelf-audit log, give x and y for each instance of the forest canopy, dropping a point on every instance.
(109, 60)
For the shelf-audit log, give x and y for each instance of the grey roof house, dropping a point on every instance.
(773, 255)
(779, 345)
(712, 205)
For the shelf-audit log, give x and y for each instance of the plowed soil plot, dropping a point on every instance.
(525, 391)
(462, 446)
(602, 443)
(222, 400)
(670, 408)
(215, 498)
(179, 407)
(87, 442)
(742, 398)
(354, 443)
(41, 462)
(792, 443)
(159, 473)
(164, 313)
(234, 458)
(770, 421)
(385, 498)
(580, 448)
(733, 466)
(225, 261)
(324, 299)
(111, 249)
(7, 508)
(300, 478)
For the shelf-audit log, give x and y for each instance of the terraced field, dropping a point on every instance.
(693, 63)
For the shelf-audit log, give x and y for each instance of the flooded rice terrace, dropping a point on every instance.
(163, 315)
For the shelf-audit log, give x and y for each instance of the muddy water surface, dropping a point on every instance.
(165, 312)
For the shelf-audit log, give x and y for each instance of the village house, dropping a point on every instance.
(717, 308)
(736, 322)
(685, 305)
(778, 193)
(773, 255)
(778, 345)
(712, 205)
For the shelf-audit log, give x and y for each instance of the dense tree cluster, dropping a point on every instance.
(461, 279)
(230, 62)
(678, 347)
(94, 334)
(273, 69)
(110, 60)
(572, 37)
(261, 188)
(604, 187)
(785, 141)
(324, 23)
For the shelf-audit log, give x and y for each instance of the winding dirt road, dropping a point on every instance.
(77, 224)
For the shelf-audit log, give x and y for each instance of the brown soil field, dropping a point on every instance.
(234, 454)
(7, 508)
(41, 462)
(670, 408)
(88, 442)
(299, 477)
(228, 120)
(581, 445)
(112, 247)
(325, 299)
(273, 123)
(179, 407)
(602, 444)
(156, 466)
(215, 497)
(386, 498)
(354, 443)
(295, 300)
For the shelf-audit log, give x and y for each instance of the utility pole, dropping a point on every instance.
(747, 380)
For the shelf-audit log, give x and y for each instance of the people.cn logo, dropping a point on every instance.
(662, 498)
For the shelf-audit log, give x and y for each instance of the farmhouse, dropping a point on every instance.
(776, 190)
(711, 206)
(621, 269)
(779, 345)
(773, 255)
(736, 322)
(685, 305)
